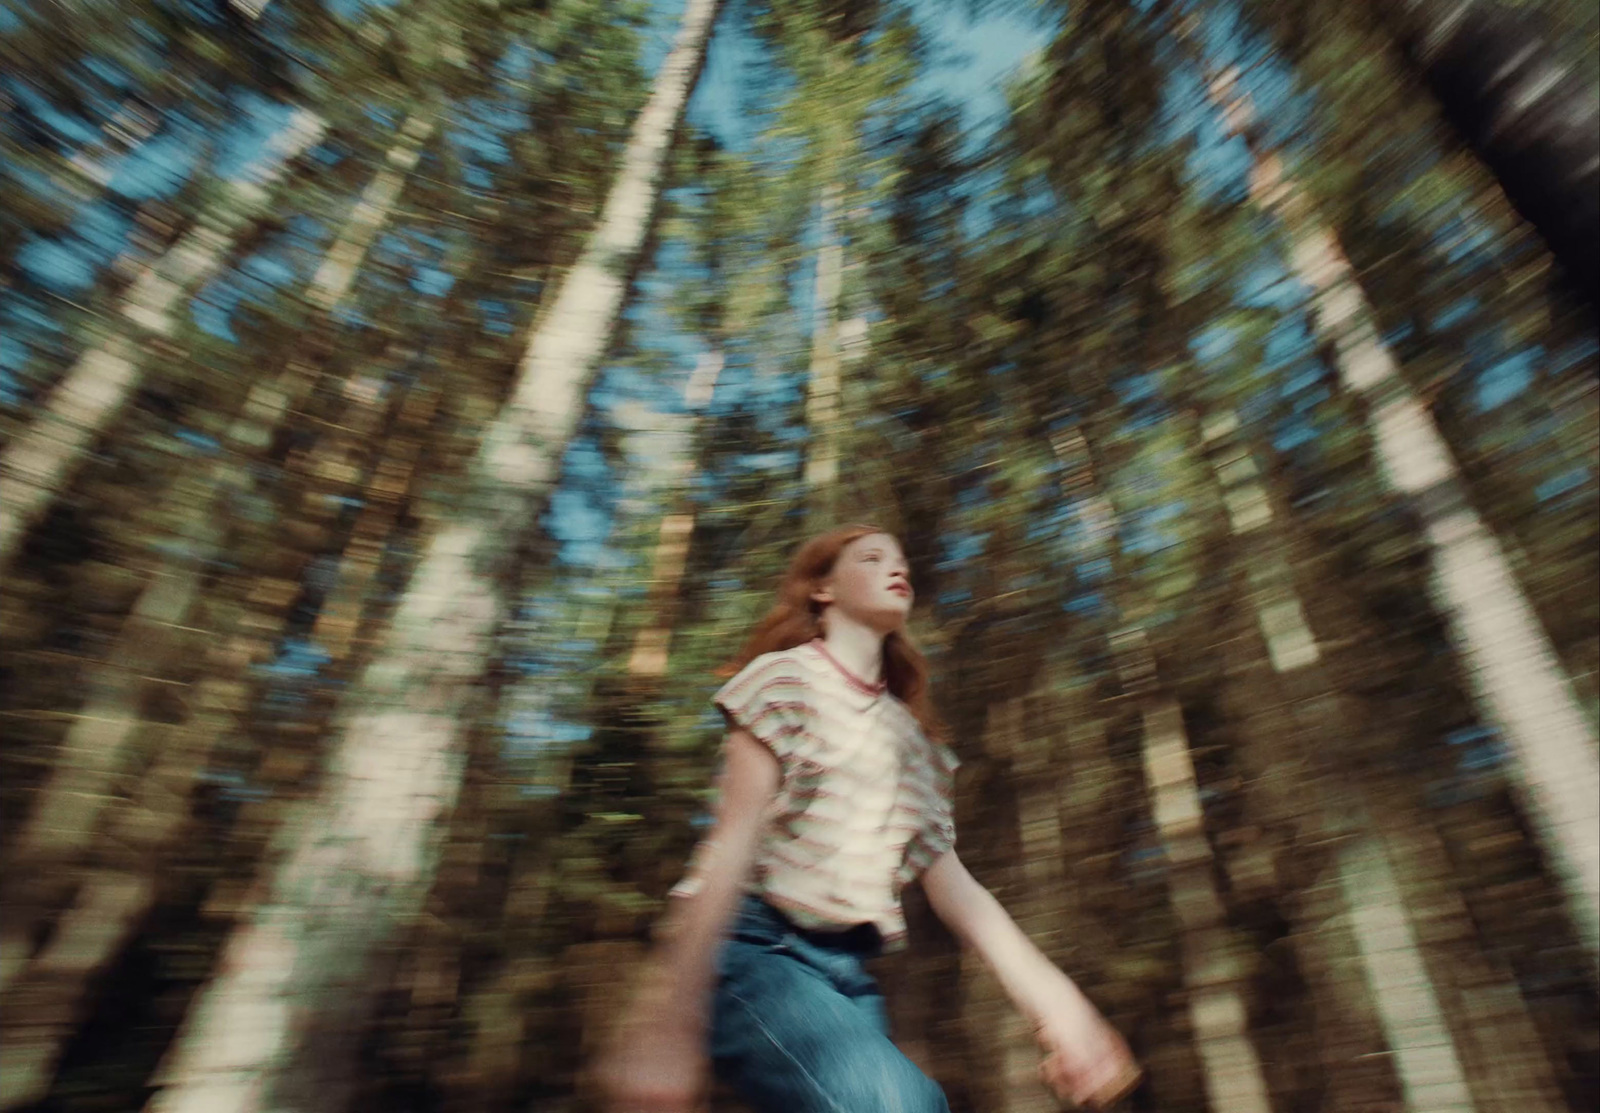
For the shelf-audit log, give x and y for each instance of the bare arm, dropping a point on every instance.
(1035, 984)
(656, 1059)
(1086, 1061)
(694, 926)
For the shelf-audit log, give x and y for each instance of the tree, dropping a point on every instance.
(99, 384)
(368, 842)
(1517, 674)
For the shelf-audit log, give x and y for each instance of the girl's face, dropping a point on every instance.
(870, 582)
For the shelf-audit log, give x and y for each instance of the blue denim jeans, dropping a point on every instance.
(798, 1025)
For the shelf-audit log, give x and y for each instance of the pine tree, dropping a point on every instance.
(373, 844)
(1518, 675)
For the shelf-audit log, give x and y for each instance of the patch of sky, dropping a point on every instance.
(355, 10)
(1466, 236)
(34, 181)
(71, 127)
(1138, 388)
(13, 352)
(660, 28)
(243, 147)
(212, 308)
(158, 167)
(1308, 400)
(973, 58)
(1567, 481)
(1217, 165)
(1085, 602)
(1214, 343)
(431, 281)
(1457, 312)
(1304, 378)
(9, 20)
(207, 444)
(68, 266)
(515, 62)
(269, 270)
(297, 658)
(1399, 334)
(1293, 434)
(496, 316)
(107, 71)
(1094, 571)
(1269, 285)
(1506, 378)
(961, 547)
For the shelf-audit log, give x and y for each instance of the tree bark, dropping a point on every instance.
(94, 390)
(823, 384)
(1213, 969)
(281, 1020)
(1513, 669)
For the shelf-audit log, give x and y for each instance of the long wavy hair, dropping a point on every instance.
(796, 619)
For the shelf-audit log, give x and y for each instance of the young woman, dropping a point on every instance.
(834, 795)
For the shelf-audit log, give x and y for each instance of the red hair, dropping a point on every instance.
(796, 619)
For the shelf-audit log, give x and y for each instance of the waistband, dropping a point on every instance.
(863, 940)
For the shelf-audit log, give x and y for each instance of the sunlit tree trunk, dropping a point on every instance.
(280, 1021)
(1032, 888)
(1214, 972)
(1509, 660)
(653, 640)
(69, 802)
(35, 465)
(1466, 1042)
(64, 821)
(823, 385)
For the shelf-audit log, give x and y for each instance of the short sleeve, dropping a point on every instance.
(770, 699)
(936, 835)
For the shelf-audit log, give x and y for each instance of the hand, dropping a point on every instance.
(1086, 1062)
(655, 1063)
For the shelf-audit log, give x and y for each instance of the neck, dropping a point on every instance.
(856, 646)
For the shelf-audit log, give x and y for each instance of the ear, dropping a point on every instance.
(822, 595)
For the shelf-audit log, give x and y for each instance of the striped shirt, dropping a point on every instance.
(864, 803)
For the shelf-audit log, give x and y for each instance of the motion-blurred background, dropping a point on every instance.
(407, 404)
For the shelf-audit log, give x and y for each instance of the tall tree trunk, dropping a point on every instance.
(34, 466)
(63, 819)
(1380, 912)
(281, 1020)
(1213, 968)
(653, 640)
(60, 830)
(1509, 660)
(823, 385)
(1532, 117)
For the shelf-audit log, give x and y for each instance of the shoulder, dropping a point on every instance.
(787, 670)
(787, 663)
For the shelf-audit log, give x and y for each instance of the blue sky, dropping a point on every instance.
(971, 62)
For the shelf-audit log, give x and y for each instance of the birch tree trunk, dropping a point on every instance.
(653, 640)
(69, 801)
(823, 385)
(1379, 912)
(1513, 669)
(1213, 969)
(37, 463)
(60, 829)
(281, 1021)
